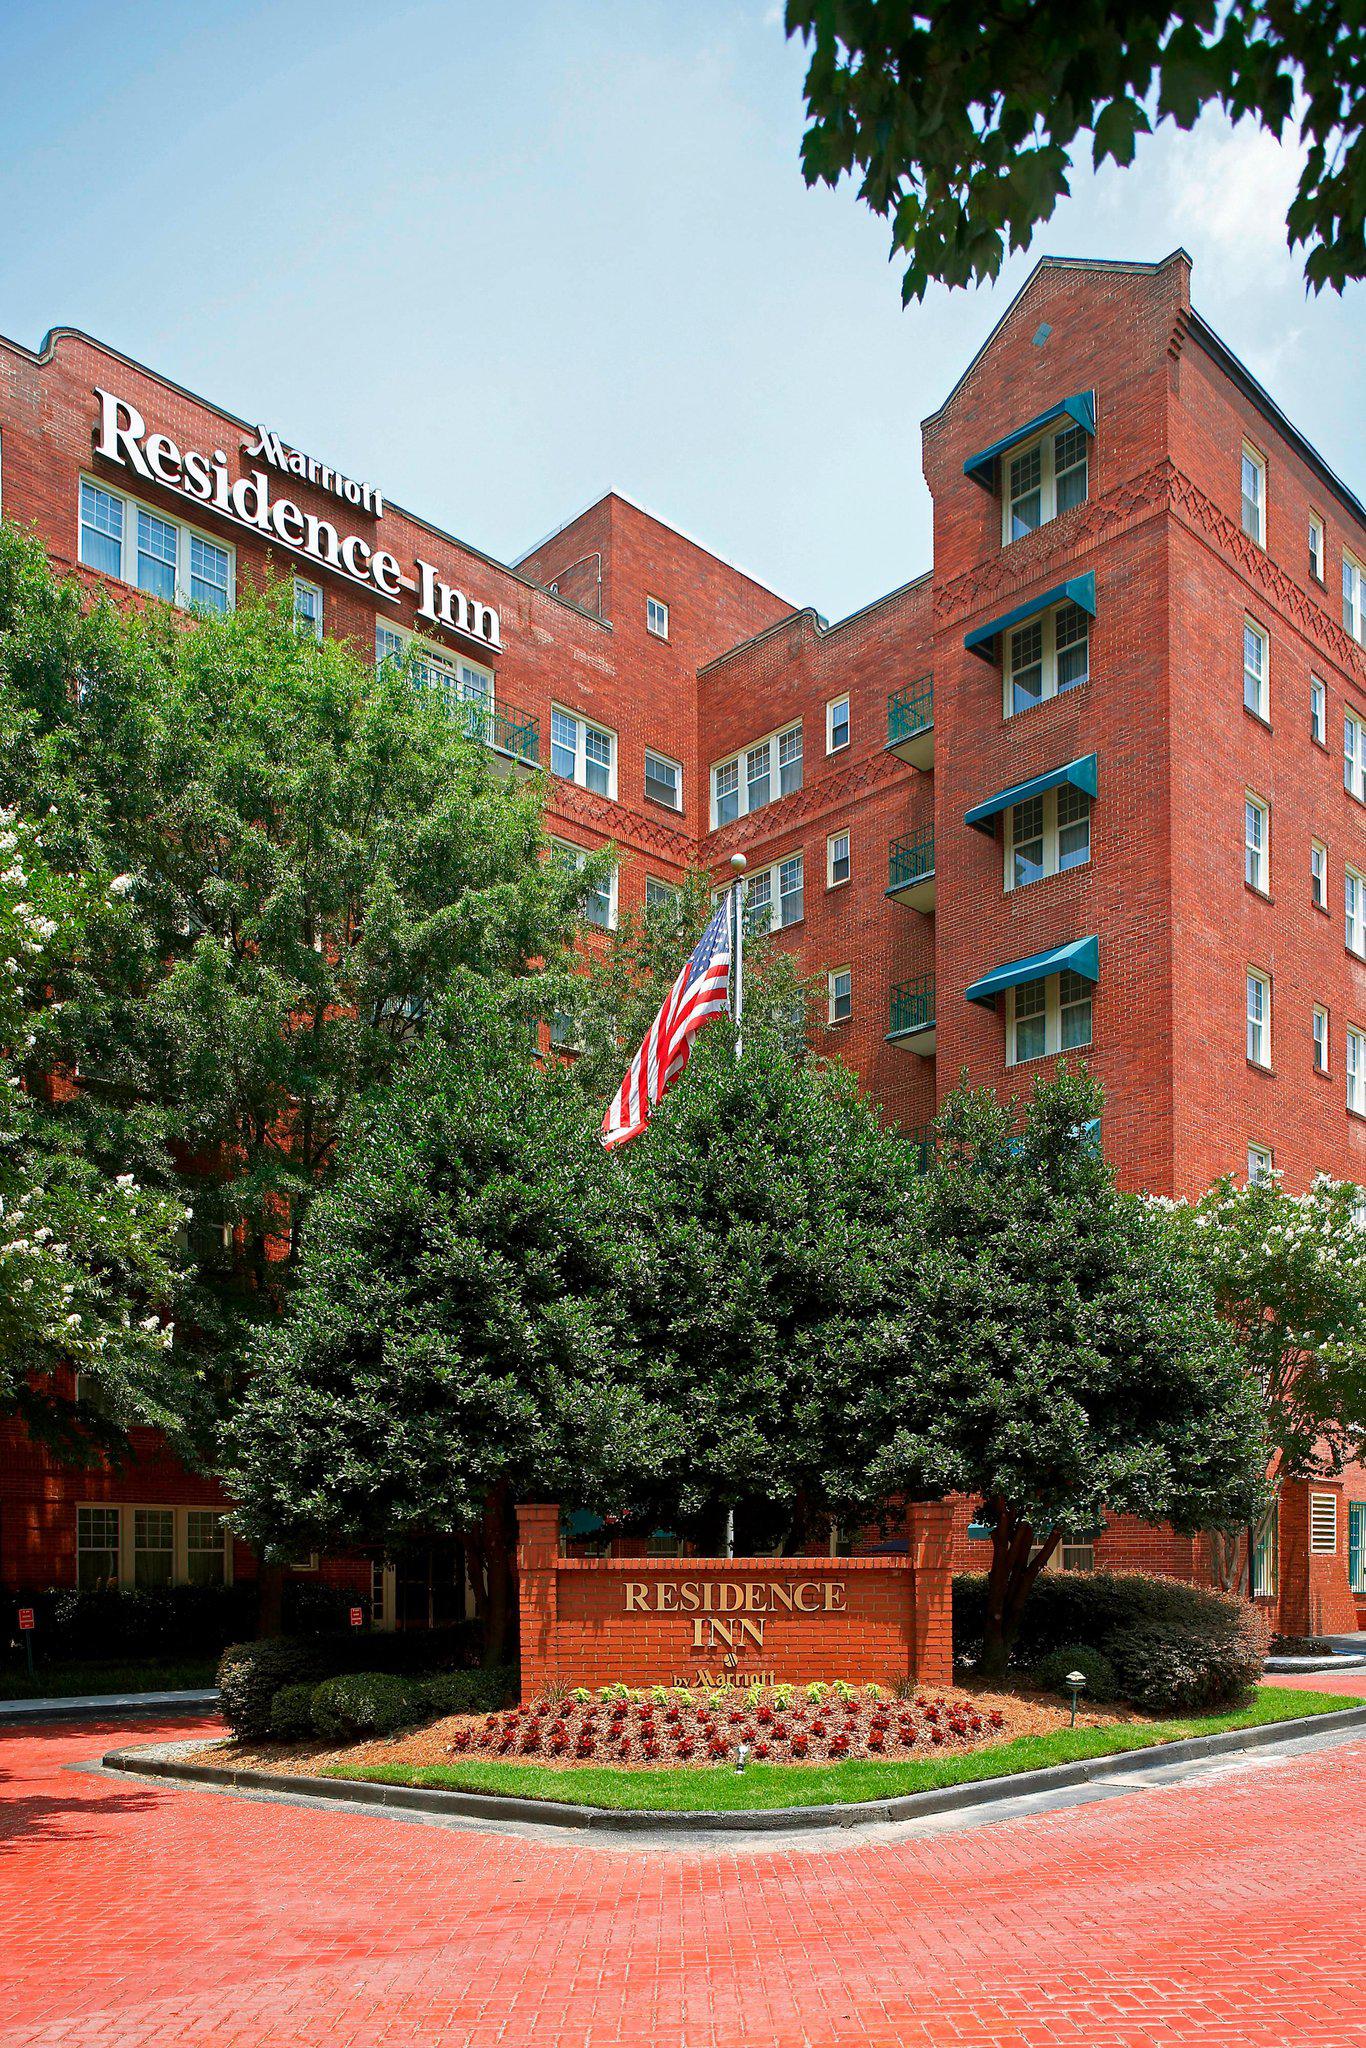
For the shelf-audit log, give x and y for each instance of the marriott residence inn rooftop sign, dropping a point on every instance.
(122, 437)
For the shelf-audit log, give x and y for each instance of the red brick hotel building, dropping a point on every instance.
(1096, 781)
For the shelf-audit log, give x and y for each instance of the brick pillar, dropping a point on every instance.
(929, 1543)
(538, 1554)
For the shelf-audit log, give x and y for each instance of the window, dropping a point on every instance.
(657, 618)
(461, 682)
(1258, 1018)
(1354, 901)
(205, 1548)
(1356, 1545)
(1053, 1015)
(1077, 1553)
(1352, 595)
(1318, 712)
(1320, 1039)
(660, 895)
(583, 753)
(1356, 1071)
(1323, 1524)
(836, 725)
(1044, 479)
(122, 538)
(840, 985)
(97, 1546)
(1266, 1559)
(1047, 836)
(1354, 756)
(1256, 696)
(1316, 547)
(774, 898)
(1254, 496)
(153, 1546)
(1318, 873)
(1260, 1165)
(836, 859)
(599, 903)
(1046, 656)
(1256, 831)
(772, 768)
(308, 608)
(663, 780)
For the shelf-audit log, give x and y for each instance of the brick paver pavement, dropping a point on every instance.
(1224, 1911)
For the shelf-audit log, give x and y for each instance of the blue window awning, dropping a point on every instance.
(1079, 590)
(1081, 957)
(1081, 409)
(1082, 774)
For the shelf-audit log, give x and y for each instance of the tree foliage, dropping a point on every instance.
(961, 125)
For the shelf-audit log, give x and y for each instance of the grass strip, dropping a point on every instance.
(716, 1788)
(70, 1681)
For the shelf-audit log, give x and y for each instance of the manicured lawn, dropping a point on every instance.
(66, 1681)
(710, 1789)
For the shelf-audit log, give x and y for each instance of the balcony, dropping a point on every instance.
(910, 723)
(910, 870)
(912, 1015)
(514, 736)
(921, 1138)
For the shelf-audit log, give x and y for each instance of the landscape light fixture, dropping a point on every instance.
(1075, 1682)
(741, 1756)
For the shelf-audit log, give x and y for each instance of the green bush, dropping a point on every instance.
(1102, 1683)
(291, 1714)
(251, 1674)
(467, 1692)
(364, 1703)
(129, 1623)
(1184, 1668)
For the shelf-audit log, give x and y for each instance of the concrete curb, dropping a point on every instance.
(112, 1706)
(493, 1806)
(1339, 1661)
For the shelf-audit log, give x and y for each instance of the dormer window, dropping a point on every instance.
(1045, 479)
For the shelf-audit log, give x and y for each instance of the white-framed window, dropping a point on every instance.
(206, 1548)
(836, 859)
(1260, 1164)
(599, 904)
(1256, 686)
(97, 1546)
(1353, 590)
(582, 752)
(1047, 835)
(1316, 547)
(1318, 873)
(836, 724)
(1323, 1524)
(308, 607)
(1320, 1039)
(663, 780)
(435, 668)
(839, 995)
(1254, 495)
(1258, 1017)
(1042, 1017)
(1318, 711)
(657, 617)
(1046, 477)
(121, 537)
(1256, 843)
(771, 768)
(1266, 1560)
(1354, 905)
(1356, 1070)
(1354, 755)
(1047, 655)
(661, 895)
(151, 1545)
(775, 897)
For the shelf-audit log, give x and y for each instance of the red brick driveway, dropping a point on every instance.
(1226, 1911)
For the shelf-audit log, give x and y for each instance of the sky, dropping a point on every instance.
(498, 259)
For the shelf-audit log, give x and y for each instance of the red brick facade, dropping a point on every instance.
(1160, 529)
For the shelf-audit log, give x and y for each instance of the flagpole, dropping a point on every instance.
(738, 865)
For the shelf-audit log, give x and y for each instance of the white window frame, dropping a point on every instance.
(128, 544)
(303, 620)
(583, 726)
(1354, 911)
(1354, 755)
(1355, 1063)
(832, 745)
(667, 761)
(1318, 874)
(661, 895)
(126, 1514)
(1252, 510)
(1045, 445)
(1052, 1021)
(657, 617)
(739, 761)
(465, 681)
(1257, 1013)
(1261, 1164)
(1316, 547)
(575, 857)
(834, 995)
(1259, 677)
(764, 891)
(1257, 843)
(1048, 661)
(1318, 711)
(1321, 1032)
(1051, 836)
(1353, 597)
(832, 880)
(1323, 1525)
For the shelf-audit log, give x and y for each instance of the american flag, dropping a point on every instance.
(698, 993)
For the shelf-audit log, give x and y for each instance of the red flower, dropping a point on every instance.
(651, 1746)
(799, 1745)
(936, 1735)
(779, 1731)
(761, 1749)
(764, 1716)
(998, 1720)
(684, 1747)
(839, 1744)
(875, 1740)
(818, 1727)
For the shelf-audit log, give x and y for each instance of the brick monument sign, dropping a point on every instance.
(704, 1620)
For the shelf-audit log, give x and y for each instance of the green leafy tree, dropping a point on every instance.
(457, 1341)
(1289, 1275)
(1063, 1356)
(960, 124)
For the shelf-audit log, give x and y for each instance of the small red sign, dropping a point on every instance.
(357, 1618)
(26, 1617)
